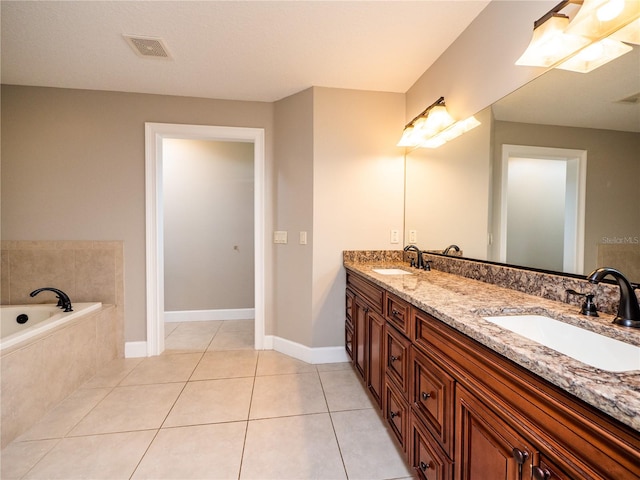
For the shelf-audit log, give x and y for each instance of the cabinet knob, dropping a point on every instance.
(538, 473)
(366, 309)
(519, 455)
(394, 358)
(426, 395)
(394, 414)
(425, 466)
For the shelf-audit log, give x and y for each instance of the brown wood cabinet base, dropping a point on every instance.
(461, 411)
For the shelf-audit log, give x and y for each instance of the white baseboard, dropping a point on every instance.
(282, 345)
(204, 315)
(135, 349)
(308, 354)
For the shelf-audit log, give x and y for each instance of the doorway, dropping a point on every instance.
(155, 135)
(542, 207)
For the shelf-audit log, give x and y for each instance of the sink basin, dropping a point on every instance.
(391, 271)
(588, 347)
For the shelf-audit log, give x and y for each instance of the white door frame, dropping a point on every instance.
(574, 264)
(154, 134)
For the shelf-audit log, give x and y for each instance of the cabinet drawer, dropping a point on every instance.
(397, 313)
(348, 340)
(432, 396)
(397, 360)
(426, 456)
(396, 412)
(366, 290)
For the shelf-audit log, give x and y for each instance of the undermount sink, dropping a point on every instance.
(391, 271)
(586, 346)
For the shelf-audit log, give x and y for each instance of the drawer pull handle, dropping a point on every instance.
(425, 466)
(426, 395)
(540, 474)
(394, 358)
(395, 312)
(520, 457)
(394, 414)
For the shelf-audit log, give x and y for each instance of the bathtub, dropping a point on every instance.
(37, 318)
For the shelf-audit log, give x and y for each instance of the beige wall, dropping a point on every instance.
(358, 192)
(478, 68)
(294, 213)
(73, 169)
(208, 224)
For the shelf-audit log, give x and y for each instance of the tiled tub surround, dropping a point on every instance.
(461, 302)
(41, 372)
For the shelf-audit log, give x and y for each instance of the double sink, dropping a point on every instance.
(588, 347)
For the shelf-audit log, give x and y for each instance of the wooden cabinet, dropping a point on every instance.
(486, 447)
(375, 353)
(427, 460)
(396, 412)
(432, 398)
(360, 313)
(396, 353)
(364, 307)
(461, 411)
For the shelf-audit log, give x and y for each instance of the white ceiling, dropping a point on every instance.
(244, 50)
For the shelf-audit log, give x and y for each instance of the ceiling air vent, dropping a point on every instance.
(631, 99)
(147, 46)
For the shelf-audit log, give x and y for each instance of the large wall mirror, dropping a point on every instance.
(550, 180)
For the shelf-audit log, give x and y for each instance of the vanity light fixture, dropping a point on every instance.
(582, 35)
(434, 127)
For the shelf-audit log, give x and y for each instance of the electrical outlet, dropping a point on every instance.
(413, 236)
(395, 236)
(280, 237)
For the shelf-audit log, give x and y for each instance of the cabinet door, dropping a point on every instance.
(396, 412)
(396, 356)
(375, 355)
(426, 456)
(486, 447)
(360, 312)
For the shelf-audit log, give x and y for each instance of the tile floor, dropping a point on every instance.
(210, 407)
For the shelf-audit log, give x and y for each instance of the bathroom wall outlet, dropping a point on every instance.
(413, 236)
(303, 238)
(395, 236)
(279, 237)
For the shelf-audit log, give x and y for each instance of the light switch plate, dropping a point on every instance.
(303, 238)
(280, 237)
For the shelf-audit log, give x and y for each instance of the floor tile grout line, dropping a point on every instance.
(246, 430)
(333, 427)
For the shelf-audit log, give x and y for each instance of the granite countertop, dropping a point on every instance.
(461, 302)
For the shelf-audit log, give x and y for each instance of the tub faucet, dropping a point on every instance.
(628, 309)
(449, 248)
(63, 299)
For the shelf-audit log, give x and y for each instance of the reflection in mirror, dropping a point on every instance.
(454, 194)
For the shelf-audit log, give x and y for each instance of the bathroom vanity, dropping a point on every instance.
(467, 399)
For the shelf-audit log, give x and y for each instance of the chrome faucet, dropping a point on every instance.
(63, 299)
(449, 248)
(628, 309)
